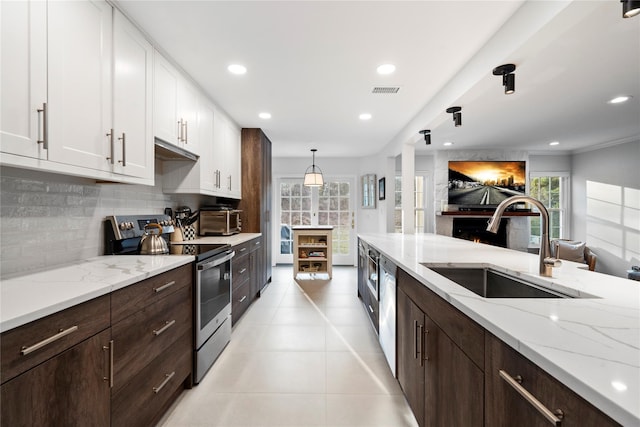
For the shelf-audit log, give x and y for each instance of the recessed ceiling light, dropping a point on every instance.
(619, 99)
(265, 116)
(365, 116)
(386, 69)
(448, 144)
(554, 143)
(237, 69)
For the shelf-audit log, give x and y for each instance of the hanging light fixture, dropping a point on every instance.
(427, 136)
(630, 8)
(313, 174)
(508, 78)
(457, 115)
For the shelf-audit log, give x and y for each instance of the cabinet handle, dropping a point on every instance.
(420, 334)
(229, 182)
(166, 326)
(242, 271)
(415, 339)
(180, 130)
(242, 249)
(370, 309)
(124, 150)
(186, 134)
(62, 333)
(242, 299)
(110, 377)
(425, 358)
(165, 286)
(45, 127)
(111, 157)
(553, 418)
(167, 378)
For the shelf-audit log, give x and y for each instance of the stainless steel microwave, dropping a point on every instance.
(219, 222)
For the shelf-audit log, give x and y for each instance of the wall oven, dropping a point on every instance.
(372, 272)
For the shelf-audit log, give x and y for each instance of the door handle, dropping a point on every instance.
(124, 149)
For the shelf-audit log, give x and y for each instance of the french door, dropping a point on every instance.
(332, 204)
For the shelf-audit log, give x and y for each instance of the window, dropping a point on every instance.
(552, 191)
(419, 204)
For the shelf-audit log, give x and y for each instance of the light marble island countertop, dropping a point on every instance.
(24, 299)
(592, 345)
(233, 240)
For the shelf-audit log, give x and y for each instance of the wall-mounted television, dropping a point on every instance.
(484, 184)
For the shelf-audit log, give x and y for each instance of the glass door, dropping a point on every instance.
(333, 204)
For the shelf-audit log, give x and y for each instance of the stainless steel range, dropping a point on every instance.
(211, 278)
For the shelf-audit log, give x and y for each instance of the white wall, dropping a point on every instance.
(606, 205)
(49, 219)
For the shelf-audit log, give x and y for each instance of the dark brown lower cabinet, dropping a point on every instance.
(506, 407)
(442, 385)
(66, 390)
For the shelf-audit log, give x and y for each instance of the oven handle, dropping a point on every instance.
(216, 262)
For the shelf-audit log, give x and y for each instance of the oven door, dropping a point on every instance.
(213, 295)
(372, 273)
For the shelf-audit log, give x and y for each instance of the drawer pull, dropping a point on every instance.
(166, 326)
(164, 383)
(243, 249)
(163, 287)
(242, 299)
(370, 308)
(63, 333)
(242, 271)
(553, 418)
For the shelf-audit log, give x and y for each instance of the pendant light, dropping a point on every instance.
(313, 174)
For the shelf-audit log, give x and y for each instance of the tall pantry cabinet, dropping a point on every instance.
(256, 194)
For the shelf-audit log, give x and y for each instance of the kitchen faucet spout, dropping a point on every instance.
(546, 261)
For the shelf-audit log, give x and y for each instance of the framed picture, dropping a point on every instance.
(381, 193)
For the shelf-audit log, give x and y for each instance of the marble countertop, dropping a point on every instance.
(30, 297)
(592, 345)
(234, 239)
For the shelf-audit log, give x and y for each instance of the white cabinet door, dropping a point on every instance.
(188, 106)
(132, 101)
(234, 161)
(23, 55)
(208, 176)
(79, 73)
(165, 100)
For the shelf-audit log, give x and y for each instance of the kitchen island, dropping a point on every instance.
(590, 344)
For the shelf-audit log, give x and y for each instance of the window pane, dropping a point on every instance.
(306, 203)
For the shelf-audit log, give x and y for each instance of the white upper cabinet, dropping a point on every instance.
(175, 106)
(132, 101)
(71, 87)
(226, 157)
(79, 83)
(23, 79)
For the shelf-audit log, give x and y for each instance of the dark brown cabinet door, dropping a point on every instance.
(411, 371)
(505, 407)
(67, 390)
(454, 384)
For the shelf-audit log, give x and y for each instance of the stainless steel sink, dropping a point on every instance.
(489, 283)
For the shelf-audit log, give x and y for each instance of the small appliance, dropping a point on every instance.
(219, 221)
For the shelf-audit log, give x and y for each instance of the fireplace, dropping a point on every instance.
(475, 229)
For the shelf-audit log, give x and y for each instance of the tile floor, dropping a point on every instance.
(304, 354)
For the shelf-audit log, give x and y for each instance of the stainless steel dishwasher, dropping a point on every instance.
(387, 311)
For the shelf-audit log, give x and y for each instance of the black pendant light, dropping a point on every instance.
(427, 136)
(508, 78)
(457, 115)
(313, 174)
(630, 8)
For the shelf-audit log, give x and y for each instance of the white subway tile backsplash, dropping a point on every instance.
(48, 219)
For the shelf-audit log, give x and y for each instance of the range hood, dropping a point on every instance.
(166, 151)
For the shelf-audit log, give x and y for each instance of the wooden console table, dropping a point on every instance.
(312, 250)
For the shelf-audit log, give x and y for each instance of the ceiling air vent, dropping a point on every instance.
(385, 89)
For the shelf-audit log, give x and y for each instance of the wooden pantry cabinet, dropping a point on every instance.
(120, 359)
(312, 250)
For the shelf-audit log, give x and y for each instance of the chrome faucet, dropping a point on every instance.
(546, 261)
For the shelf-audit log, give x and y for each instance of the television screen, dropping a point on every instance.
(485, 183)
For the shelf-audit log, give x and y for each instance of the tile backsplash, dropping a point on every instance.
(48, 220)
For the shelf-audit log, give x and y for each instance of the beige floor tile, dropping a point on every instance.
(359, 339)
(293, 338)
(369, 411)
(307, 315)
(286, 372)
(366, 373)
(354, 316)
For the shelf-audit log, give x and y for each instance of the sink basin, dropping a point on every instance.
(489, 283)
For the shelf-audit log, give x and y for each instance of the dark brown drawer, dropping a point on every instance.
(241, 299)
(132, 299)
(240, 271)
(242, 249)
(150, 392)
(140, 338)
(466, 333)
(51, 335)
(255, 244)
(506, 407)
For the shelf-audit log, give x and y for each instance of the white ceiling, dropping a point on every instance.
(312, 65)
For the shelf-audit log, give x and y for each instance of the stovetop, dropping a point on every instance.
(200, 251)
